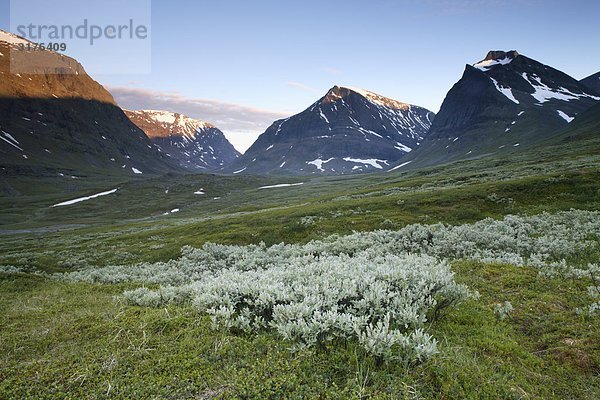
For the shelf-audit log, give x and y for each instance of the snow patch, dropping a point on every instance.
(323, 117)
(241, 170)
(280, 125)
(400, 166)
(487, 64)
(564, 116)
(10, 142)
(8, 135)
(80, 199)
(371, 161)
(544, 93)
(319, 163)
(12, 39)
(402, 147)
(281, 185)
(363, 130)
(505, 91)
(162, 116)
(136, 171)
(380, 100)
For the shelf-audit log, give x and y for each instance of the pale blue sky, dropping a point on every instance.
(241, 64)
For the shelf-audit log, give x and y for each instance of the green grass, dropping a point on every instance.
(161, 238)
(80, 341)
(60, 340)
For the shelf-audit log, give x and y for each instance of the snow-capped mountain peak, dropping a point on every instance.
(524, 80)
(339, 92)
(12, 39)
(496, 57)
(173, 123)
(195, 144)
(505, 100)
(348, 130)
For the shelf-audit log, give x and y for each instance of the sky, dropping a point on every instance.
(243, 64)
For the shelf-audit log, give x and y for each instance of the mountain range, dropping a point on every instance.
(56, 120)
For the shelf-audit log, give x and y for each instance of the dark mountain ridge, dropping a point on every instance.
(346, 131)
(504, 101)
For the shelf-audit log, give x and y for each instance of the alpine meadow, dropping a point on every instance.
(236, 223)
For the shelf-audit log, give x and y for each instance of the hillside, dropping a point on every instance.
(592, 82)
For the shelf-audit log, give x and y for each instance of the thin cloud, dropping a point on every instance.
(241, 124)
(304, 87)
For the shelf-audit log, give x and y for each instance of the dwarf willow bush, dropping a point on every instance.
(377, 288)
(552, 243)
(382, 302)
(503, 310)
(10, 269)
